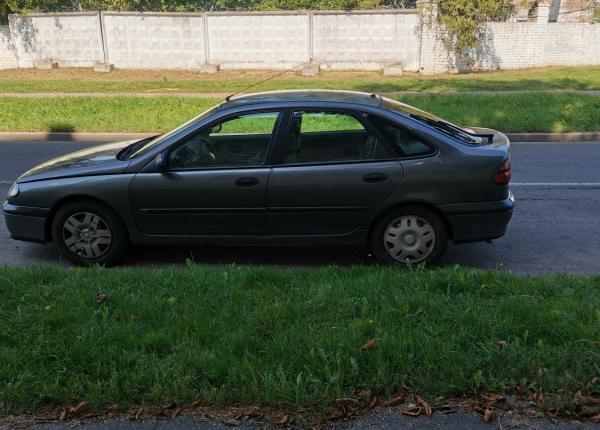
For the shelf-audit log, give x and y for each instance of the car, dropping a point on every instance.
(276, 168)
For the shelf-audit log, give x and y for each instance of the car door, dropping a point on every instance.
(334, 171)
(215, 181)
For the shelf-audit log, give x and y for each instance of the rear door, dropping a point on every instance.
(334, 170)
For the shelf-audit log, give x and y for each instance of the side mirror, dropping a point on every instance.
(160, 163)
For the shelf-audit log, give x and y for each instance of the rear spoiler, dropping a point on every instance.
(488, 136)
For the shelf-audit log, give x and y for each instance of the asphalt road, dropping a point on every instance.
(555, 227)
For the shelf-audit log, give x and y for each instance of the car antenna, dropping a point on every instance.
(263, 81)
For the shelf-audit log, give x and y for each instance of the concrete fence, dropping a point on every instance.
(337, 40)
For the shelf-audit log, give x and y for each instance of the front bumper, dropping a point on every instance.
(476, 222)
(26, 223)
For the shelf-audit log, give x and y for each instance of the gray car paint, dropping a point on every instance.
(456, 180)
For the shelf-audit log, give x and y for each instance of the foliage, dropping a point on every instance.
(462, 23)
(27, 6)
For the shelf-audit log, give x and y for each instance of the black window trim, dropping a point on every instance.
(281, 113)
(282, 141)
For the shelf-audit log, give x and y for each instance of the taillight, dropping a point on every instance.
(502, 176)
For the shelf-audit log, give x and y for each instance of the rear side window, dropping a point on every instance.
(330, 136)
(406, 143)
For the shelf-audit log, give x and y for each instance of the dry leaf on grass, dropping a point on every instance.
(396, 400)
(425, 405)
(502, 343)
(413, 411)
(101, 298)
(373, 343)
(488, 414)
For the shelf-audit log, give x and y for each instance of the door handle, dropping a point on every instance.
(247, 182)
(372, 178)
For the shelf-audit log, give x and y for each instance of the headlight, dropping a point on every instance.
(13, 191)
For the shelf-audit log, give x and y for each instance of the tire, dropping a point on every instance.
(88, 233)
(409, 235)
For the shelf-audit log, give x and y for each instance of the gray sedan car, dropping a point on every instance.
(284, 168)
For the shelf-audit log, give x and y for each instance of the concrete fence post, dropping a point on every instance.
(311, 37)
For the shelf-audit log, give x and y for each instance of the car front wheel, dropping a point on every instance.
(409, 235)
(89, 233)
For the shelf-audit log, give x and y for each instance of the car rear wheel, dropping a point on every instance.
(89, 233)
(409, 235)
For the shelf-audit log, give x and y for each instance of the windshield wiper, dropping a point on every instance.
(126, 152)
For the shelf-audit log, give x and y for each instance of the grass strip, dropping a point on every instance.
(85, 80)
(525, 112)
(279, 337)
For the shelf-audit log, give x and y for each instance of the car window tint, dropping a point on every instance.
(329, 136)
(239, 141)
(407, 143)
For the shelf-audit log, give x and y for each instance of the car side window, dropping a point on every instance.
(238, 141)
(406, 143)
(330, 136)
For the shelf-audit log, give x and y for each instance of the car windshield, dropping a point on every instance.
(431, 120)
(162, 137)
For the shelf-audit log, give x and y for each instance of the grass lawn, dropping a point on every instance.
(275, 337)
(523, 112)
(85, 80)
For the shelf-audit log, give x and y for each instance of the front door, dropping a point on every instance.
(215, 182)
(334, 172)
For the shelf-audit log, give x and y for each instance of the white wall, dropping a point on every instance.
(7, 55)
(366, 41)
(360, 40)
(516, 45)
(71, 41)
(258, 41)
(154, 41)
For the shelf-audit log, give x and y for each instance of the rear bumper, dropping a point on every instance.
(26, 223)
(476, 222)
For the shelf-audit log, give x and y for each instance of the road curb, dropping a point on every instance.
(35, 136)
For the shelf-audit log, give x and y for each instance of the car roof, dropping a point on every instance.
(325, 96)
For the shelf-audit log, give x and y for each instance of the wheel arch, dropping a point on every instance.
(76, 198)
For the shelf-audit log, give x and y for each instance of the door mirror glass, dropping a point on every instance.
(159, 162)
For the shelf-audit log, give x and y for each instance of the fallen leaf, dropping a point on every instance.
(373, 343)
(502, 343)
(63, 415)
(76, 410)
(101, 298)
(283, 420)
(396, 400)
(415, 411)
(488, 415)
(425, 405)
(596, 418)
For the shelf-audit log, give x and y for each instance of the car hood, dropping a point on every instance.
(98, 160)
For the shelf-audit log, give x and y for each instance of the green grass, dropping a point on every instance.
(279, 337)
(524, 112)
(82, 80)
